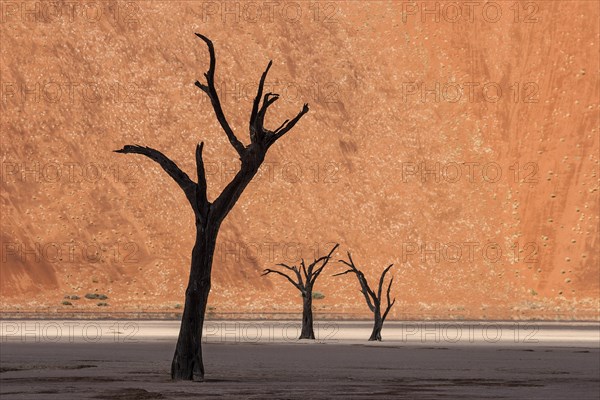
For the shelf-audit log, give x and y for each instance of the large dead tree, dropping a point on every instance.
(374, 300)
(187, 361)
(305, 286)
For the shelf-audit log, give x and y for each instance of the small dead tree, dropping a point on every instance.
(305, 286)
(187, 361)
(374, 300)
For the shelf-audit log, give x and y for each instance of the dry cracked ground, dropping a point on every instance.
(254, 360)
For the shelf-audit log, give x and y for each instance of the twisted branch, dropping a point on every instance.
(211, 91)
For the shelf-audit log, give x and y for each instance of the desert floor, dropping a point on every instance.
(81, 359)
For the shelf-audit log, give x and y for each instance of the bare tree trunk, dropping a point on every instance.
(307, 317)
(305, 286)
(187, 362)
(374, 300)
(377, 326)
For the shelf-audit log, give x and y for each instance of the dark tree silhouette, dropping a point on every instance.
(305, 286)
(374, 300)
(187, 361)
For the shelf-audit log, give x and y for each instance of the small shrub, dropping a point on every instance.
(75, 297)
(178, 306)
(211, 312)
(96, 296)
(102, 304)
(67, 303)
(318, 296)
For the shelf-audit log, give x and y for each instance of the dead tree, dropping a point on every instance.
(305, 286)
(374, 300)
(187, 361)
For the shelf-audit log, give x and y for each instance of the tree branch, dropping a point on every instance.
(255, 130)
(285, 127)
(274, 271)
(372, 301)
(258, 132)
(281, 126)
(296, 271)
(253, 155)
(370, 297)
(269, 99)
(303, 265)
(343, 273)
(381, 279)
(326, 258)
(210, 90)
(232, 192)
(183, 180)
(389, 305)
(201, 188)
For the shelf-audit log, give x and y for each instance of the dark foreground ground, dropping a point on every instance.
(300, 370)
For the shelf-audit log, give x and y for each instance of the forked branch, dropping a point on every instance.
(201, 189)
(211, 91)
(285, 127)
(274, 271)
(374, 300)
(365, 289)
(325, 259)
(183, 180)
(310, 273)
(258, 132)
(251, 156)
